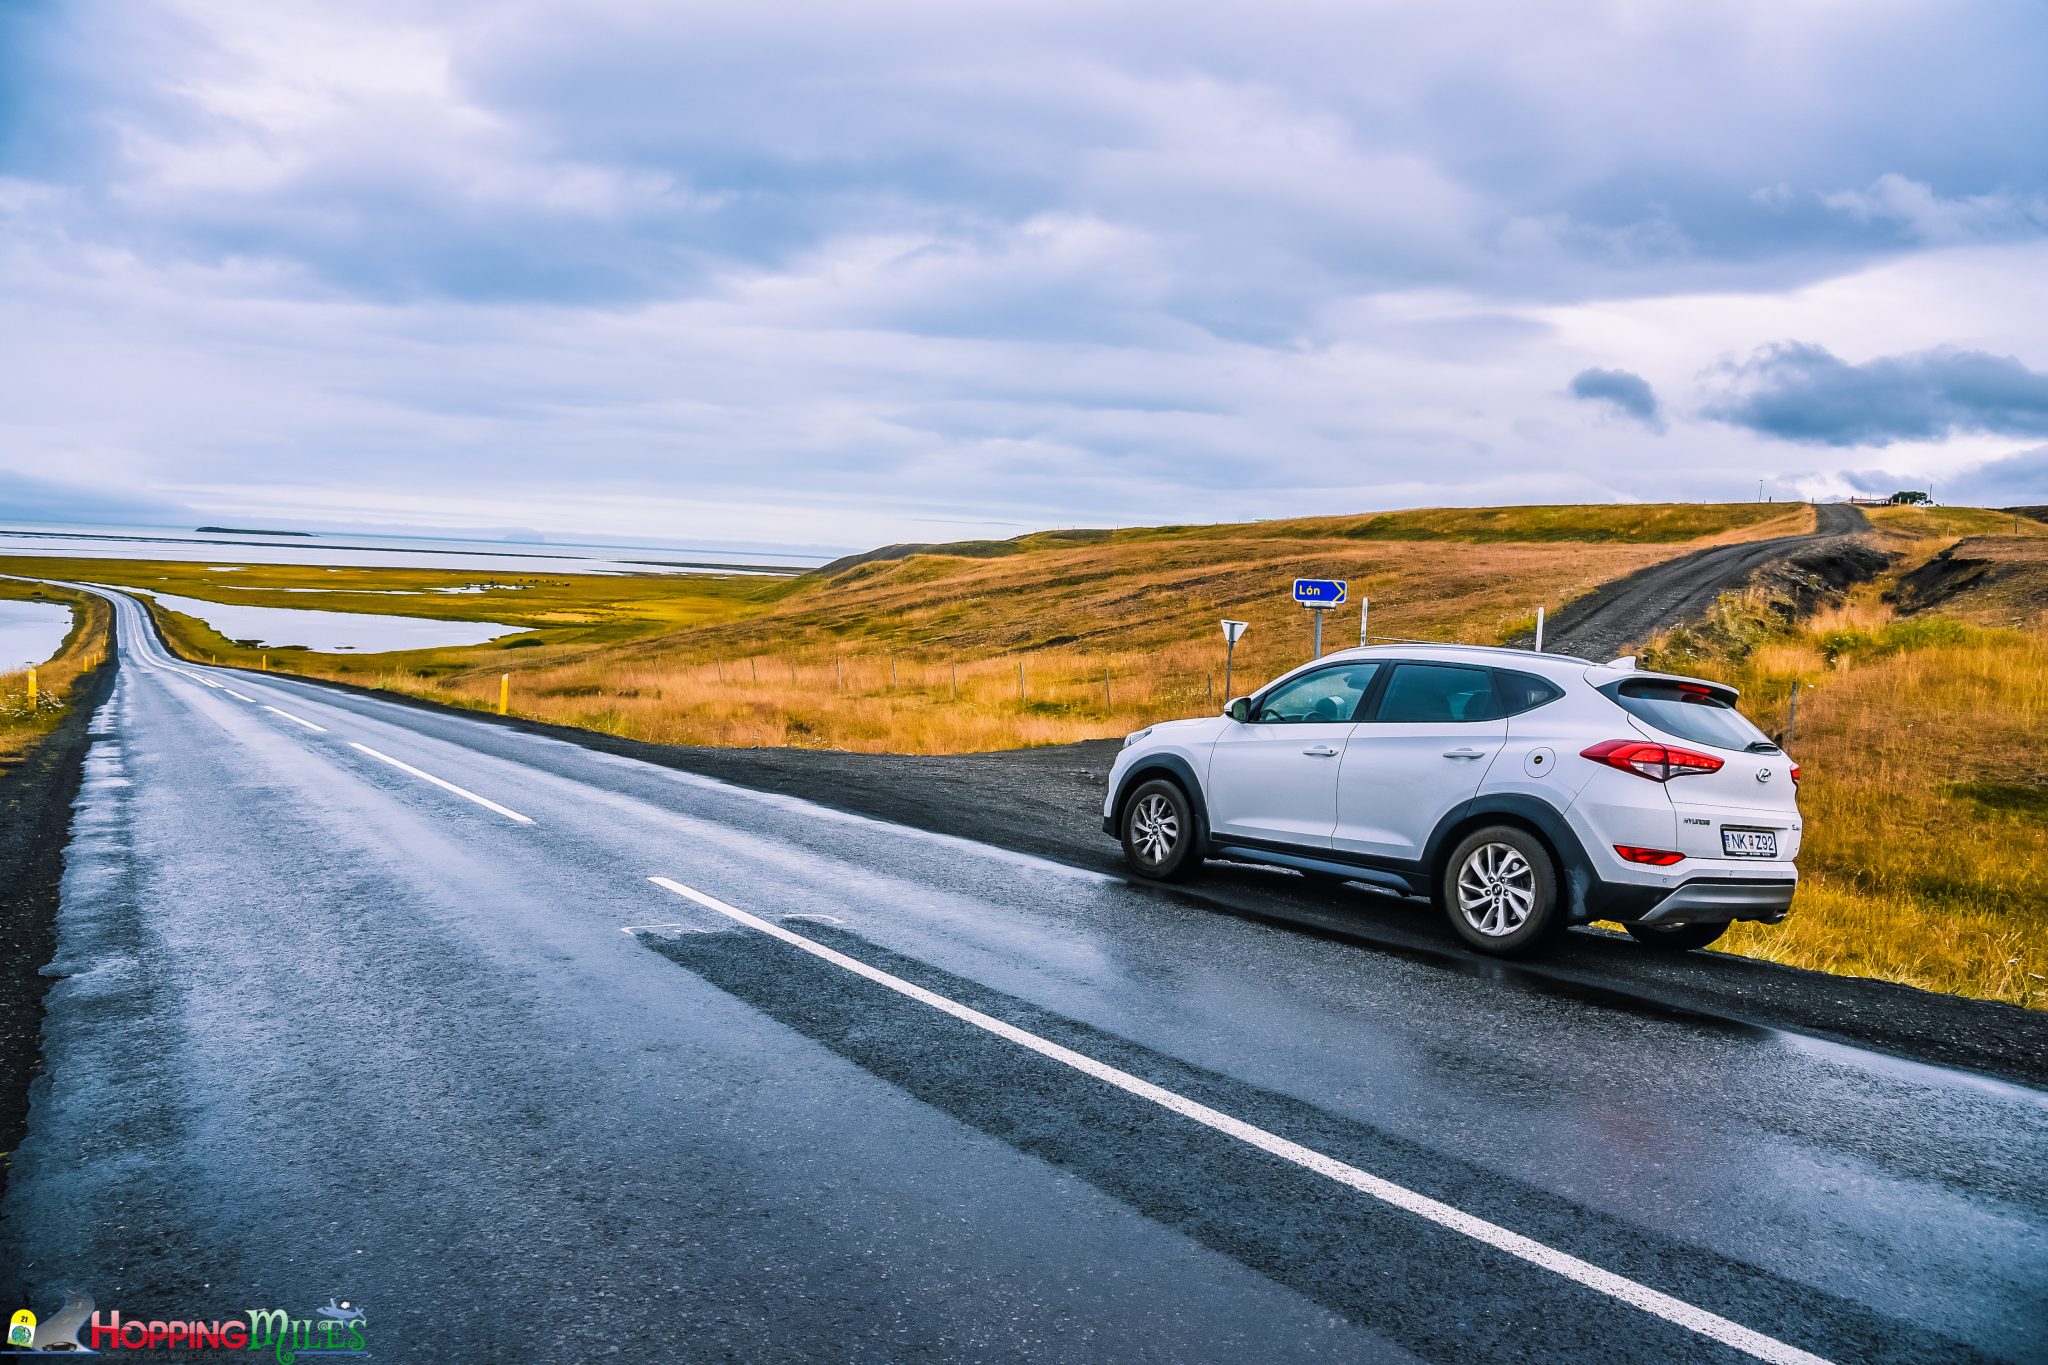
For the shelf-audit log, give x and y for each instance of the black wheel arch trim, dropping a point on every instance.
(1161, 765)
(1586, 896)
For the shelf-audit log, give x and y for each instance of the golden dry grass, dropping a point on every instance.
(1925, 794)
(869, 661)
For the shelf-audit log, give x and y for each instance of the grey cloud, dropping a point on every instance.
(1621, 390)
(1248, 156)
(837, 258)
(1805, 393)
(1916, 210)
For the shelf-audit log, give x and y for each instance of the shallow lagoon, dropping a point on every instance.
(333, 632)
(30, 632)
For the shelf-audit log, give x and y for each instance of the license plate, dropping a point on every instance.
(1749, 843)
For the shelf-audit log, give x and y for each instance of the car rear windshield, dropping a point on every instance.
(1691, 711)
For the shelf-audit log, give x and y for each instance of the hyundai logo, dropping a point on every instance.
(1763, 774)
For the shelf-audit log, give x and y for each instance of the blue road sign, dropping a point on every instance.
(1320, 592)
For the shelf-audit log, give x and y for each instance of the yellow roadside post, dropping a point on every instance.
(266, 663)
(31, 689)
(504, 692)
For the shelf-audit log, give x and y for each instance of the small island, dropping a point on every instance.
(246, 531)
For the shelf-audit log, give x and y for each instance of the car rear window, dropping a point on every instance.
(1691, 711)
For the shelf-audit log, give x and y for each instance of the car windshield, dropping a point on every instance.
(1691, 711)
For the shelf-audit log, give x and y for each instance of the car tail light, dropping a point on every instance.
(1795, 774)
(1658, 762)
(1655, 857)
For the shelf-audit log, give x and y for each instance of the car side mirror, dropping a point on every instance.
(1239, 710)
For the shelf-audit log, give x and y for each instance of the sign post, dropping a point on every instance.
(1319, 595)
(1231, 630)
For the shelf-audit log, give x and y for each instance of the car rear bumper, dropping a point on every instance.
(1714, 900)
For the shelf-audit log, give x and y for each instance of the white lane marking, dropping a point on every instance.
(236, 695)
(1652, 1301)
(443, 783)
(301, 720)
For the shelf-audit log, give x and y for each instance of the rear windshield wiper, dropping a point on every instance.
(1762, 746)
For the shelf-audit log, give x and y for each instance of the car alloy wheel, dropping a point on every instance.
(1496, 889)
(1155, 828)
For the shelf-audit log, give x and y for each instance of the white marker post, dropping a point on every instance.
(1538, 646)
(1231, 631)
(1364, 620)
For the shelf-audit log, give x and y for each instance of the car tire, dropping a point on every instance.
(1498, 888)
(1159, 831)
(1675, 938)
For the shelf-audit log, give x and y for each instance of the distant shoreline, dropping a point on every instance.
(555, 557)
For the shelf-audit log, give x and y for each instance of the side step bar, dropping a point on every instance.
(1372, 876)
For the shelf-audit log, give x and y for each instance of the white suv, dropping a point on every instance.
(1523, 792)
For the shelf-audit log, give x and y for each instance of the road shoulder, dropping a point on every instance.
(36, 794)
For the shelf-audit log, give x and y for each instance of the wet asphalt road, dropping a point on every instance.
(327, 1029)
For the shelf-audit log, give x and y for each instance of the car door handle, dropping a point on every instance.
(1321, 751)
(1464, 753)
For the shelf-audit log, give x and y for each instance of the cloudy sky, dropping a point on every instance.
(833, 274)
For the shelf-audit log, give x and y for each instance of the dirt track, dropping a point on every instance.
(1617, 615)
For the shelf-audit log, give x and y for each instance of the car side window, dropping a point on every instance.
(1438, 694)
(1326, 696)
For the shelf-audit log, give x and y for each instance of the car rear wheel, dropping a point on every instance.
(1499, 891)
(1159, 831)
(1675, 938)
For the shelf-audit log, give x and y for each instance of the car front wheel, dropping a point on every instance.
(1499, 891)
(1159, 831)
